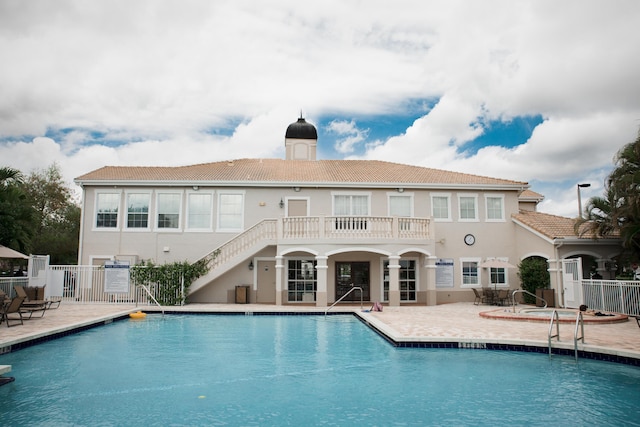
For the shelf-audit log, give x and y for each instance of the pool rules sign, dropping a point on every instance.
(116, 277)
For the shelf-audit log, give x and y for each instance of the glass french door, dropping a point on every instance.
(350, 274)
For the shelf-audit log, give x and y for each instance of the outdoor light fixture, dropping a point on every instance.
(400, 190)
(281, 203)
(580, 198)
(296, 189)
(251, 265)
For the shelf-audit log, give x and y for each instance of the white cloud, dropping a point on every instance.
(162, 77)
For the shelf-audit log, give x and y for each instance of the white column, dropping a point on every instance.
(394, 281)
(321, 283)
(279, 278)
(432, 293)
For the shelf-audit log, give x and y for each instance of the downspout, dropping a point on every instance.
(83, 201)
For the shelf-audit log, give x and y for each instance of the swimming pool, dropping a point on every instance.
(299, 370)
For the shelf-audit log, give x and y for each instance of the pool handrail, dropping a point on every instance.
(152, 297)
(522, 291)
(353, 288)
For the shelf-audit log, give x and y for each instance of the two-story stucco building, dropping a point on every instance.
(302, 230)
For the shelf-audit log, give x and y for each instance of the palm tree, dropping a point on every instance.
(619, 210)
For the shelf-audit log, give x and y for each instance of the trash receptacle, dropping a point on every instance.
(242, 294)
(546, 294)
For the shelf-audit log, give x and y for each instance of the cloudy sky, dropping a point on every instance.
(539, 91)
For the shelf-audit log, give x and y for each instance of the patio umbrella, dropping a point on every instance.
(496, 263)
(8, 253)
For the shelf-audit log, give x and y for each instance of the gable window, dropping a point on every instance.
(468, 208)
(230, 211)
(199, 208)
(470, 272)
(168, 208)
(107, 205)
(138, 210)
(440, 207)
(495, 208)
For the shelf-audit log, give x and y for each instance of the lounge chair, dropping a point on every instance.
(31, 306)
(13, 307)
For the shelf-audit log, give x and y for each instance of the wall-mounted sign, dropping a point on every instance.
(444, 273)
(116, 277)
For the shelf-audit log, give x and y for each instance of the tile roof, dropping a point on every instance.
(531, 196)
(273, 171)
(551, 226)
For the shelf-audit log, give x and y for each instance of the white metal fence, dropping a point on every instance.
(612, 296)
(86, 284)
(7, 284)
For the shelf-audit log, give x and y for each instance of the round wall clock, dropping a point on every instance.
(469, 239)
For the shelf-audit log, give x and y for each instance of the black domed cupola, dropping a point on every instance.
(301, 130)
(300, 140)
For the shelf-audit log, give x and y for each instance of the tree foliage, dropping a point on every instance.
(618, 211)
(56, 217)
(534, 275)
(16, 214)
(38, 214)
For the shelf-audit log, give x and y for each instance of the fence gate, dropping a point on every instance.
(572, 282)
(38, 267)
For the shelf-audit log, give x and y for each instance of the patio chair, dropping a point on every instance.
(13, 307)
(479, 297)
(31, 306)
(502, 297)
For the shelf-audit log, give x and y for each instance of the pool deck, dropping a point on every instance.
(458, 323)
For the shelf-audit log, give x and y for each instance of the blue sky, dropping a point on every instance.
(536, 90)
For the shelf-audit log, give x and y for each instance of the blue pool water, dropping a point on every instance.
(217, 370)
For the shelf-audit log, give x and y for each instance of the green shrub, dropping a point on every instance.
(533, 275)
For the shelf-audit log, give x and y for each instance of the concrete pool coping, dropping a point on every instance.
(456, 325)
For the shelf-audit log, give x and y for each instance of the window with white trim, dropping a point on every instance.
(350, 205)
(138, 210)
(302, 280)
(230, 211)
(408, 280)
(107, 207)
(498, 277)
(470, 272)
(168, 206)
(199, 210)
(495, 208)
(402, 207)
(468, 207)
(441, 207)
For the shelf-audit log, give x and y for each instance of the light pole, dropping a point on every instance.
(580, 199)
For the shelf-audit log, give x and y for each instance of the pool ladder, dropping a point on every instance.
(555, 320)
